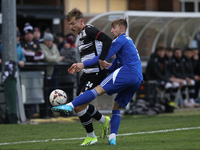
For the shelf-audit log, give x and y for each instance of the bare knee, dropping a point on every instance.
(80, 108)
(116, 106)
(99, 90)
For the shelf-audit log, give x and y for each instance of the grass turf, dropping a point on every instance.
(173, 140)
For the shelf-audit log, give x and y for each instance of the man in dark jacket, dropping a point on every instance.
(189, 70)
(176, 82)
(179, 71)
(197, 80)
(156, 70)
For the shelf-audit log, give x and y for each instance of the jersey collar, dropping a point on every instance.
(82, 29)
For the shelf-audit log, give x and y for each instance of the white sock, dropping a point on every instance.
(91, 134)
(111, 136)
(102, 120)
(70, 104)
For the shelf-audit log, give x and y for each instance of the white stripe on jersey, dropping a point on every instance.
(106, 80)
(85, 46)
(88, 57)
(115, 74)
(99, 46)
(91, 70)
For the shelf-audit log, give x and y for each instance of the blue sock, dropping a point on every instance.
(115, 121)
(85, 98)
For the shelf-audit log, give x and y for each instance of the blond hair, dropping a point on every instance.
(75, 12)
(120, 22)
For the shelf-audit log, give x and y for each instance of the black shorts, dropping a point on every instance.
(89, 81)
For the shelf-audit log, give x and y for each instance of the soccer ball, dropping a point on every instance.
(58, 97)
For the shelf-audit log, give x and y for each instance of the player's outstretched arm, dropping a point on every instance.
(95, 60)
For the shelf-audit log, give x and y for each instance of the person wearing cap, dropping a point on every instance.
(72, 37)
(70, 53)
(30, 46)
(51, 55)
(21, 60)
(50, 50)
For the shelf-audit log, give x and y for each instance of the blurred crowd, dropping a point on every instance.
(176, 70)
(36, 46)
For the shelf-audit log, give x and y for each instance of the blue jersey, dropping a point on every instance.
(127, 54)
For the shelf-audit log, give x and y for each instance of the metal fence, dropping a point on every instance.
(36, 85)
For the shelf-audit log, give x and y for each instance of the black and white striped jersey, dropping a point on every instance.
(89, 47)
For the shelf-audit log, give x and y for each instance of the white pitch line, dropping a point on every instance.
(125, 134)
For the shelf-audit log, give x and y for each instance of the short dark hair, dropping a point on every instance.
(176, 48)
(75, 12)
(159, 48)
(120, 22)
(188, 49)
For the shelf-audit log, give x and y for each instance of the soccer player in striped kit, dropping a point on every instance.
(124, 81)
(91, 42)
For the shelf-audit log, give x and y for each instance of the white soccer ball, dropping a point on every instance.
(58, 97)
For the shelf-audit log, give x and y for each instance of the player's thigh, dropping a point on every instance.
(124, 97)
(93, 80)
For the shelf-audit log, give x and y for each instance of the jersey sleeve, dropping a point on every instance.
(95, 34)
(95, 60)
(92, 32)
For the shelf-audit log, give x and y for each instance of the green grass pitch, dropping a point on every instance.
(68, 136)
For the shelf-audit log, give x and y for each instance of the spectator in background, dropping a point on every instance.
(176, 82)
(61, 40)
(33, 53)
(37, 34)
(51, 55)
(50, 51)
(73, 38)
(21, 60)
(195, 57)
(196, 64)
(178, 71)
(31, 47)
(70, 53)
(156, 70)
(189, 69)
(71, 56)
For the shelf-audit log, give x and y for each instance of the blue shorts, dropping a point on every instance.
(123, 82)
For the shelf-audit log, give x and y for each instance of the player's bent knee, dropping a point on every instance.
(80, 108)
(116, 106)
(99, 90)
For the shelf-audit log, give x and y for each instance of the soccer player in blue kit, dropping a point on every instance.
(124, 80)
